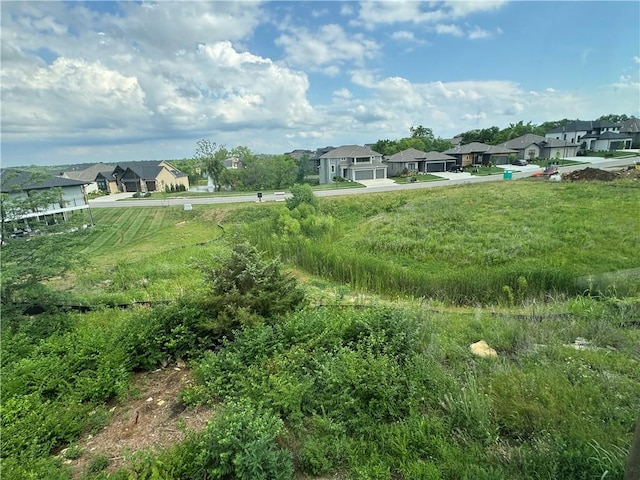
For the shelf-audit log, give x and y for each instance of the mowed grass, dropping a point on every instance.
(146, 253)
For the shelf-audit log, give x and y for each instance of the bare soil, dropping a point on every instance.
(154, 419)
(596, 174)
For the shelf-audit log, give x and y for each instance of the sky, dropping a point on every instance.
(86, 82)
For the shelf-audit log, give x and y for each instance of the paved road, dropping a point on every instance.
(461, 179)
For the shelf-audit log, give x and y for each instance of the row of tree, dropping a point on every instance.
(257, 172)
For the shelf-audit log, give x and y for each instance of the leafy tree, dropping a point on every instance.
(26, 265)
(421, 132)
(485, 135)
(283, 169)
(302, 194)
(304, 168)
(246, 288)
(212, 158)
(265, 172)
(385, 147)
(613, 118)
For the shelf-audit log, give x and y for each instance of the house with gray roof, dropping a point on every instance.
(17, 184)
(149, 176)
(477, 153)
(413, 160)
(594, 135)
(631, 127)
(530, 147)
(87, 173)
(351, 162)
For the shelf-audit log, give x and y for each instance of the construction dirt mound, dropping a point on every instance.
(595, 174)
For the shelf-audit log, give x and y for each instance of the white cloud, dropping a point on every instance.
(449, 30)
(342, 93)
(478, 32)
(636, 59)
(70, 98)
(387, 12)
(346, 10)
(329, 46)
(403, 35)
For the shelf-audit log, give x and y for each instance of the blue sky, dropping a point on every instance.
(117, 81)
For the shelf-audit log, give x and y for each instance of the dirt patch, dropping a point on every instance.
(589, 173)
(215, 215)
(629, 172)
(153, 420)
(596, 174)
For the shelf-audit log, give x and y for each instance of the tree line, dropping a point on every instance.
(268, 172)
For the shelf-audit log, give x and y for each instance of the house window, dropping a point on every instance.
(362, 160)
(411, 166)
(333, 169)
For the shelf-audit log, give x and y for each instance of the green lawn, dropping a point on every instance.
(417, 178)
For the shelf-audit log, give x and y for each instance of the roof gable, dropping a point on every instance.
(21, 180)
(351, 151)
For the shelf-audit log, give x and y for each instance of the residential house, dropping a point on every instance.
(476, 153)
(607, 141)
(106, 181)
(351, 162)
(631, 127)
(87, 172)
(530, 147)
(414, 160)
(148, 176)
(21, 184)
(232, 163)
(594, 135)
(314, 160)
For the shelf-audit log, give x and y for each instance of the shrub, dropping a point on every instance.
(241, 442)
(302, 194)
(246, 288)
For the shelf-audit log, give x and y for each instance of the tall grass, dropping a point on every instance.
(485, 243)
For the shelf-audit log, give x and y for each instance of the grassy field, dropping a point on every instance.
(466, 244)
(375, 378)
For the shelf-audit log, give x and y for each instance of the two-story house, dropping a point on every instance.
(351, 162)
(594, 135)
(19, 185)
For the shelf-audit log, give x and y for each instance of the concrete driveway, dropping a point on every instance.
(112, 197)
(381, 182)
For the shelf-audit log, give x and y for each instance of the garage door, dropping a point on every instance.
(364, 175)
(435, 167)
(380, 173)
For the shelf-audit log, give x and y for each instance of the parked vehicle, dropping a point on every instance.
(521, 162)
(455, 169)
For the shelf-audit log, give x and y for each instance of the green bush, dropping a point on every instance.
(242, 441)
(246, 289)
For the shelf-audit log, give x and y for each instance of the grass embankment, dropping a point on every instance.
(360, 392)
(469, 244)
